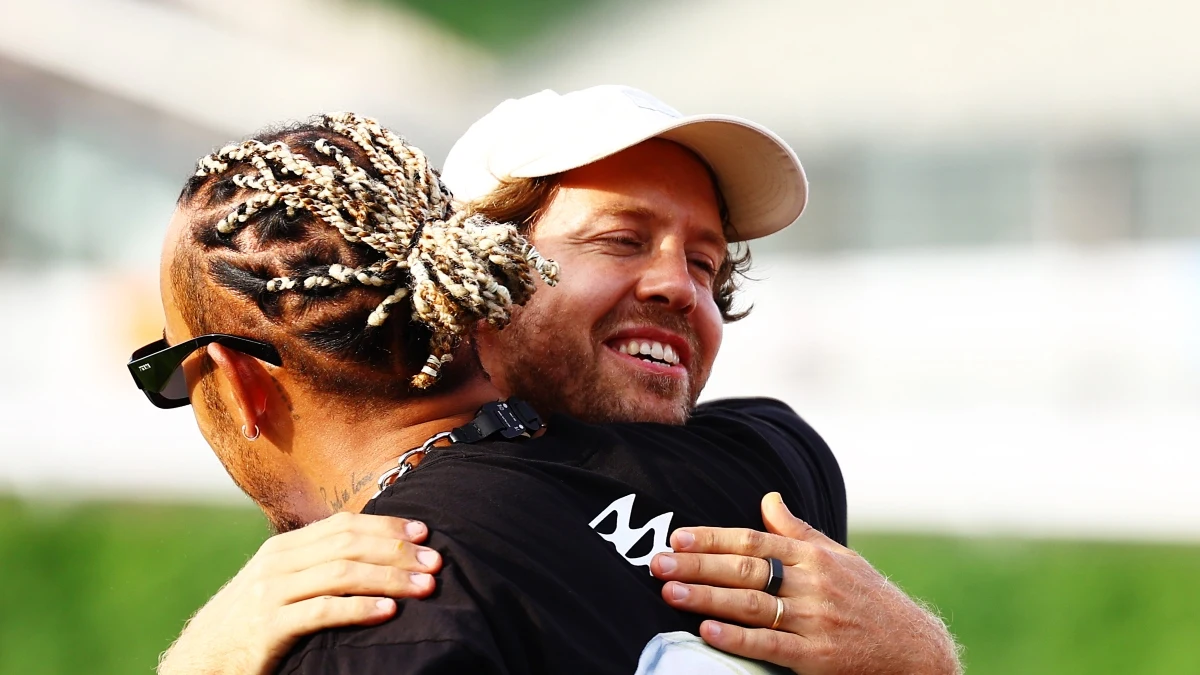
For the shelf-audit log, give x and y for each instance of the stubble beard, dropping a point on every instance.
(557, 374)
(243, 467)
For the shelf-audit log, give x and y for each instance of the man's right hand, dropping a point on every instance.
(340, 571)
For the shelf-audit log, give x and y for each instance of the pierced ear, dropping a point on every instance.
(249, 381)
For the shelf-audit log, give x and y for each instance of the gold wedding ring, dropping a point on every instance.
(778, 613)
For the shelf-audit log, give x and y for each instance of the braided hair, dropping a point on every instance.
(407, 240)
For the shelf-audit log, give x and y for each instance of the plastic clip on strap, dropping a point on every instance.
(510, 419)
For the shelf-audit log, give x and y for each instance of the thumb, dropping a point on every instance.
(779, 520)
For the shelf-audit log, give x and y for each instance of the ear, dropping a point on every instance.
(249, 381)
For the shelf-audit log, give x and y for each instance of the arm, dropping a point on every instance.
(840, 615)
(340, 571)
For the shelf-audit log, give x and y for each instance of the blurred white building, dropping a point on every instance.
(991, 309)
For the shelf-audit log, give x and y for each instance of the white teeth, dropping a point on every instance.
(657, 351)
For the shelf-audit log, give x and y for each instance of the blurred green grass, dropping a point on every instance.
(103, 588)
(1029, 606)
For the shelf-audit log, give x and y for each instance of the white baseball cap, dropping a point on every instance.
(547, 133)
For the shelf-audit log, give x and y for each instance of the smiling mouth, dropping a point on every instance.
(650, 351)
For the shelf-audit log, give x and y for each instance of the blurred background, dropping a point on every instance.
(991, 309)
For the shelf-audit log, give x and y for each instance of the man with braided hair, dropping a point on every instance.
(269, 269)
(319, 254)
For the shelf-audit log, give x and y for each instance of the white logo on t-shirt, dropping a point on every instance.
(623, 538)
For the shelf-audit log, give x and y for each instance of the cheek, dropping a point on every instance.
(589, 287)
(194, 371)
(207, 396)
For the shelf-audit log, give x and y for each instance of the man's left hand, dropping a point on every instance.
(840, 616)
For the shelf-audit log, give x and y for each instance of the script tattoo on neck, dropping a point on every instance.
(340, 496)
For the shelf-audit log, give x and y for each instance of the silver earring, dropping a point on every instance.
(248, 436)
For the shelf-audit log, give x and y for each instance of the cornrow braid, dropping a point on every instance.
(456, 268)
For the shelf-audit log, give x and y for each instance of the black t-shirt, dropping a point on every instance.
(547, 542)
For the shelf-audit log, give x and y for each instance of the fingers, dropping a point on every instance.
(779, 520)
(356, 547)
(319, 613)
(721, 569)
(738, 541)
(752, 608)
(387, 527)
(761, 644)
(346, 577)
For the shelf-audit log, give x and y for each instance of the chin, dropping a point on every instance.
(674, 414)
(657, 399)
(618, 407)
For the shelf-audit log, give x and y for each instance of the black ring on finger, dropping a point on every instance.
(775, 580)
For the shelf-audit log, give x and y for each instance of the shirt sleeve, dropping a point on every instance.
(804, 452)
(427, 657)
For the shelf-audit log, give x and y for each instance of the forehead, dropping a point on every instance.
(654, 180)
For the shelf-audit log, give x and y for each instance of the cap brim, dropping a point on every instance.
(760, 177)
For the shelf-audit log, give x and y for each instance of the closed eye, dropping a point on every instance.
(705, 266)
(624, 241)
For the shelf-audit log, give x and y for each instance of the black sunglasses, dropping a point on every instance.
(155, 367)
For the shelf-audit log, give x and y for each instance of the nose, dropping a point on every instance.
(666, 280)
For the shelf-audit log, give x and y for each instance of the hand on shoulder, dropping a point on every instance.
(341, 571)
(833, 612)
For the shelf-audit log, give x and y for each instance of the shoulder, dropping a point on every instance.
(801, 448)
(458, 465)
(449, 632)
(774, 419)
(462, 490)
(759, 410)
